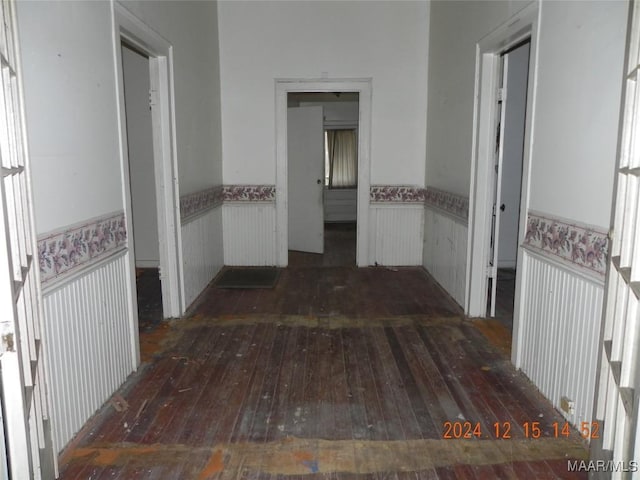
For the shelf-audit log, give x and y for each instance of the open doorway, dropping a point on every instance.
(154, 54)
(136, 76)
(283, 88)
(512, 104)
(322, 148)
(483, 279)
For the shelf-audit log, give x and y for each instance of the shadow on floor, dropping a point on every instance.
(149, 298)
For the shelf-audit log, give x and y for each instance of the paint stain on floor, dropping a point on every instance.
(497, 334)
(154, 341)
(215, 465)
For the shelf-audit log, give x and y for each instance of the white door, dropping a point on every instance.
(616, 430)
(29, 450)
(305, 170)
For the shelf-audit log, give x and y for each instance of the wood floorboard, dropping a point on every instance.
(375, 425)
(191, 388)
(230, 412)
(447, 473)
(278, 412)
(310, 418)
(397, 396)
(427, 475)
(263, 411)
(326, 423)
(170, 417)
(475, 382)
(500, 387)
(295, 399)
(213, 379)
(430, 386)
(339, 388)
(357, 401)
(336, 373)
(428, 427)
(470, 409)
(389, 422)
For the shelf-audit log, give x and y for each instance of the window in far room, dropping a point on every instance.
(340, 158)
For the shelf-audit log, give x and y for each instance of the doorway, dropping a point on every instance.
(322, 151)
(283, 203)
(156, 55)
(488, 125)
(512, 104)
(136, 76)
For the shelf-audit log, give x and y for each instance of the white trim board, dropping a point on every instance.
(127, 26)
(522, 25)
(363, 87)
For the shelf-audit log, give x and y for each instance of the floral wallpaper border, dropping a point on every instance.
(64, 251)
(193, 204)
(249, 193)
(453, 204)
(582, 245)
(396, 194)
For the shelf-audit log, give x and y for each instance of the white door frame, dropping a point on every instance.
(363, 87)
(487, 79)
(130, 28)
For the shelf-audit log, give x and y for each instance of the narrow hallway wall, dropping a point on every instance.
(564, 248)
(73, 128)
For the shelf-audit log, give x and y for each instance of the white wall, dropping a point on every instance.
(70, 98)
(192, 28)
(455, 29)
(250, 238)
(577, 108)
(71, 117)
(70, 95)
(576, 112)
(575, 124)
(262, 41)
(445, 251)
(395, 234)
(202, 248)
(516, 103)
(141, 167)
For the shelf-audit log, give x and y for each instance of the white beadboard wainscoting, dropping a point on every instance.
(202, 252)
(559, 325)
(249, 233)
(340, 205)
(395, 233)
(91, 342)
(445, 251)
(89, 346)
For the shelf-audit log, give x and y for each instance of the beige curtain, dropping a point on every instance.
(343, 158)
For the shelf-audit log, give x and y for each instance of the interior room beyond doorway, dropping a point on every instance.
(323, 178)
(136, 75)
(508, 182)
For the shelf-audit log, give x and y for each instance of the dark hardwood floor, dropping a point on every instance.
(335, 373)
(339, 248)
